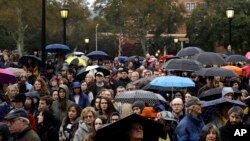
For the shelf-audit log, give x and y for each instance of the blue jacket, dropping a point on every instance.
(4, 110)
(83, 100)
(189, 128)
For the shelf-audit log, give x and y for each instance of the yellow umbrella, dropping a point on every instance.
(76, 61)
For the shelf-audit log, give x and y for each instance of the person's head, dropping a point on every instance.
(45, 102)
(99, 122)
(19, 100)
(193, 106)
(115, 116)
(109, 93)
(166, 118)
(227, 92)
(39, 84)
(17, 121)
(138, 107)
(76, 87)
(120, 89)
(235, 115)
(187, 96)
(89, 78)
(209, 132)
(177, 105)
(124, 73)
(136, 131)
(23, 77)
(178, 94)
(135, 76)
(73, 111)
(97, 102)
(88, 115)
(99, 77)
(84, 86)
(244, 94)
(130, 87)
(54, 94)
(12, 91)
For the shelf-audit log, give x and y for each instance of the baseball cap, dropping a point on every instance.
(99, 73)
(15, 114)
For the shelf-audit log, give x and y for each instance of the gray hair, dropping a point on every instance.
(237, 110)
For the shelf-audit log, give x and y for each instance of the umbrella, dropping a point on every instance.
(189, 51)
(215, 93)
(247, 55)
(172, 81)
(209, 58)
(140, 95)
(152, 88)
(142, 81)
(7, 76)
(76, 61)
(92, 69)
(134, 59)
(57, 48)
(118, 131)
(215, 71)
(182, 65)
(17, 71)
(236, 58)
(237, 70)
(97, 55)
(212, 107)
(24, 59)
(76, 53)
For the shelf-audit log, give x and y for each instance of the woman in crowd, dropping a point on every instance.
(60, 106)
(70, 123)
(41, 86)
(106, 108)
(12, 91)
(86, 124)
(47, 126)
(209, 133)
(84, 88)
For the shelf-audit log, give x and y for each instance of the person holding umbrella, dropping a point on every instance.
(190, 126)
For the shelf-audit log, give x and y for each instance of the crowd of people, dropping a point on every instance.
(56, 105)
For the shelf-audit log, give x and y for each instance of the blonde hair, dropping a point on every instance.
(86, 110)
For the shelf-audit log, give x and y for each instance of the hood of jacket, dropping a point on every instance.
(66, 89)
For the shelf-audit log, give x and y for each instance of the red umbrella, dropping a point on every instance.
(7, 76)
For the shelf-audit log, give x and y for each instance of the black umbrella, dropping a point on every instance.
(57, 48)
(92, 69)
(212, 107)
(118, 131)
(140, 95)
(236, 58)
(24, 59)
(215, 71)
(182, 65)
(189, 51)
(142, 81)
(134, 58)
(97, 55)
(215, 93)
(209, 58)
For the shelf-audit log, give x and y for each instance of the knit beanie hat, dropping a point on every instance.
(140, 104)
(226, 90)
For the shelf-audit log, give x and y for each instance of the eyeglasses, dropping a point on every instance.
(88, 116)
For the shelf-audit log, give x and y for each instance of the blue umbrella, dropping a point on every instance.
(57, 47)
(172, 81)
(97, 55)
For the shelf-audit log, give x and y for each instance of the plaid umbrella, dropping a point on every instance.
(215, 71)
(209, 58)
(236, 58)
(182, 65)
(212, 107)
(76, 61)
(140, 95)
(189, 51)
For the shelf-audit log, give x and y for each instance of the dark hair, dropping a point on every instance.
(207, 129)
(78, 110)
(48, 99)
(110, 108)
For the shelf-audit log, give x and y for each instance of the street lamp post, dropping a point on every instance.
(64, 15)
(86, 41)
(96, 36)
(230, 15)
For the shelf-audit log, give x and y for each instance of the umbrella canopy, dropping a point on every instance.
(209, 58)
(92, 69)
(134, 58)
(75, 53)
(76, 61)
(97, 55)
(182, 65)
(215, 71)
(118, 131)
(142, 81)
(17, 71)
(140, 95)
(212, 107)
(152, 88)
(24, 59)
(189, 51)
(236, 58)
(7, 76)
(57, 48)
(237, 70)
(172, 81)
(247, 55)
(215, 93)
